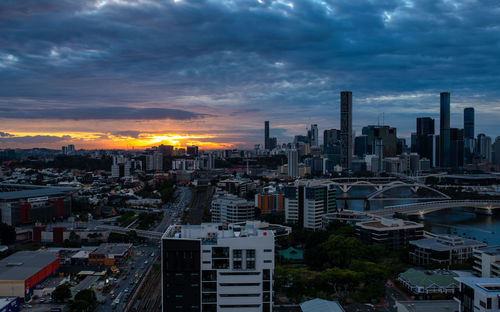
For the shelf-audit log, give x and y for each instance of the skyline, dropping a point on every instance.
(118, 73)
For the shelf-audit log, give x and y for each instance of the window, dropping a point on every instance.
(220, 264)
(266, 286)
(250, 253)
(250, 264)
(220, 252)
(488, 303)
(266, 274)
(209, 297)
(237, 253)
(237, 265)
(209, 287)
(266, 307)
(209, 275)
(268, 250)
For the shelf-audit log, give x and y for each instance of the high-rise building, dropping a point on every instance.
(313, 135)
(307, 202)
(424, 137)
(331, 137)
(266, 135)
(229, 208)
(456, 148)
(210, 267)
(346, 128)
(154, 162)
(361, 145)
(484, 146)
(293, 163)
(496, 151)
(273, 143)
(469, 122)
(444, 130)
(121, 167)
(387, 134)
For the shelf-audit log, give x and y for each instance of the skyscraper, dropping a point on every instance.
(444, 130)
(469, 122)
(313, 139)
(346, 128)
(293, 163)
(424, 137)
(266, 135)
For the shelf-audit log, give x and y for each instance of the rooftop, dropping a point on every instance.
(24, 264)
(429, 305)
(482, 284)
(446, 242)
(112, 250)
(322, 305)
(214, 231)
(19, 191)
(389, 224)
(427, 278)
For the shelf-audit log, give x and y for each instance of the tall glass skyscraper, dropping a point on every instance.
(346, 128)
(469, 122)
(444, 134)
(266, 135)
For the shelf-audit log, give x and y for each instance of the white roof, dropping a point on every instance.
(322, 305)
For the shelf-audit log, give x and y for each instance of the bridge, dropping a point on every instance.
(481, 206)
(125, 231)
(348, 185)
(415, 187)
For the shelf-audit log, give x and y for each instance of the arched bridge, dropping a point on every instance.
(482, 206)
(347, 186)
(379, 195)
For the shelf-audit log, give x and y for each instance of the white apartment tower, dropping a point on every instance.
(211, 268)
(229, 208)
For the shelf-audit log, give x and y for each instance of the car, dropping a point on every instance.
(146, 262)
(124, 277)
(126, 290)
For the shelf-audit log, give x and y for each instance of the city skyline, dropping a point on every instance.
(189, 72)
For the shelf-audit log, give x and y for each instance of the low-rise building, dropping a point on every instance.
(427, 306)
(22, 271)
(392, 233)
(442, 249)
(478, 294)
(420, 282)
(109, 254)
(487, 261)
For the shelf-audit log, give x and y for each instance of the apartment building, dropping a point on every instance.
(212, 267)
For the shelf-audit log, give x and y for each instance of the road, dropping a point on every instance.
(201, 203)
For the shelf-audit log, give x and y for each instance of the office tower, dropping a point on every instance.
(229, 208)
(210, 267)
(401, 146)
(387, 134)
(121, 167)
(64, 150)
(307, 201)
(293, 163)
(469, 122)
(444, 129)
(346, 128)
(484, 146)
(379, 152)
(456, 148)
(314, 135)
(361, 145)
(71, 148)
(154, 162)
(496, 151)
(331, 137)
(424, 137)
(273, 143)
(166, 150)
(266, 135)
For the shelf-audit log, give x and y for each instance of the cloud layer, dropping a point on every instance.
(227, 65)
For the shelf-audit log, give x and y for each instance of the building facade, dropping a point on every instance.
(229, 208)
(346, 128)
(444, 130)
(392, 233)
(212, 268)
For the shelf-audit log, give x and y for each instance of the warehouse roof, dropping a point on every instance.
(18, 191)
(24, 264)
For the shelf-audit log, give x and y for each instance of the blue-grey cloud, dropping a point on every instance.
(281, 60)
(96, 113)
(5, 134)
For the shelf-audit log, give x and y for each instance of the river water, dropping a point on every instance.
(457, 221)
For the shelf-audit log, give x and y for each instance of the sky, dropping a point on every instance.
(138, 73)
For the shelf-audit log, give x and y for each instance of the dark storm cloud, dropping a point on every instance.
(115, 112)
(266, 59)
(5, 134)
(37, 139)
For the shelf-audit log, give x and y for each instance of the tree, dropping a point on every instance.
(7, 234)
(61, 293)
(85, 301)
